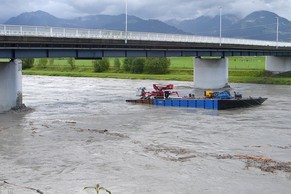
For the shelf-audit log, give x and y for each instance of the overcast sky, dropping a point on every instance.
(146, 9)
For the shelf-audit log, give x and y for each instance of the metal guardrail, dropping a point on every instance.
(58, 32)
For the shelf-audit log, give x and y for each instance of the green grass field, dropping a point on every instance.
(247, 63)
(234, 62)
(181, 62)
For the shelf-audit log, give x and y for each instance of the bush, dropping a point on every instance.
(42, 63)
(101, 65)
(117, 64)
(137, 65)
(27, 63)
(133, 65)
(127, 63)
(157, 65)
(72, 63)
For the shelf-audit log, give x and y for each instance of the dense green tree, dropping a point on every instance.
(42, 63)
(101, 65)
(137, 65)
(127, 63)
(27, 63)
(157, 65)
(117, 64)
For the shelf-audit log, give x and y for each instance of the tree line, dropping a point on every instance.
(130, 65)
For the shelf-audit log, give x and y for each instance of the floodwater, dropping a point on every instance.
(81, 132)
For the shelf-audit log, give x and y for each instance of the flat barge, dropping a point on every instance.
(162, 96)
(212, 104)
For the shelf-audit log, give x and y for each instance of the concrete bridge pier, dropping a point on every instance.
(278, 64)
(210, 73)
(10, 85)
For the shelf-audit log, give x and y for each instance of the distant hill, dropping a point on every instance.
(263, 25)
(204, 25)
(259, 25)
(40, 18)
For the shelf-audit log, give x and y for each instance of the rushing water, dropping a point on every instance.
(82, 132)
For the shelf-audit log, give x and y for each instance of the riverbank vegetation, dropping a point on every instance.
(241, 69)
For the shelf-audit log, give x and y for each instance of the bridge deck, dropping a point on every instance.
(39, 42)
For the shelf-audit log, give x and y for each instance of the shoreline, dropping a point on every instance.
(247, 78)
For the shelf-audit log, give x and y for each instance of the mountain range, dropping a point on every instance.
(259, 25)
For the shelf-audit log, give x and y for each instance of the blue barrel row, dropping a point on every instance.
(201, 103)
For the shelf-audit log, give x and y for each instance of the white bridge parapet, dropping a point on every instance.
(58, 32)
(10, 85)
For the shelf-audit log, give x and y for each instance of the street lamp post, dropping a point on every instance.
(125, 21)
(220, 21)
(277, 34)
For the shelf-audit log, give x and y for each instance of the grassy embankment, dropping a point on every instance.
(241, 70)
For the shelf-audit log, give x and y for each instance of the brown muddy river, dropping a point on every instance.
(81, 132)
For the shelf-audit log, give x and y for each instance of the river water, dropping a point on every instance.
(81, 132)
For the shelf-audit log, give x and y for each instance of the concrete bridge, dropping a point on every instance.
(17, 42)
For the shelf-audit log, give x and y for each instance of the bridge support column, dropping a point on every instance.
(10, 85)
(210, 73)
(278, 64)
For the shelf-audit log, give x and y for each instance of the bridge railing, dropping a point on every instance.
(58, 32)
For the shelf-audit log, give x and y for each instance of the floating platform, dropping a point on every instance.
(212, 104)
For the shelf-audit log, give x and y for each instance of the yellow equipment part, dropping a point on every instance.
(208, 93)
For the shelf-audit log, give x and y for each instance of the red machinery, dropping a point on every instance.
(161, 91)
